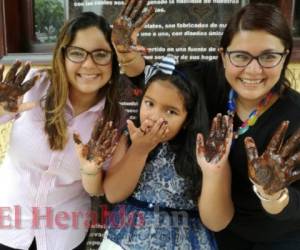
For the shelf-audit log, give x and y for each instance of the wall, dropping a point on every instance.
(295, 69)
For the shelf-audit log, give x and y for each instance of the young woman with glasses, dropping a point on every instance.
(43, 204)
(249, 83)
(254, 52)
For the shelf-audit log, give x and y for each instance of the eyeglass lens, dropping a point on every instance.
(268, 60)
(79, 55)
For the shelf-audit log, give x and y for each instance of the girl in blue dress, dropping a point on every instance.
(164, 199)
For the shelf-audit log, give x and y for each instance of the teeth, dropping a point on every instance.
(248, 81)
(88, 76)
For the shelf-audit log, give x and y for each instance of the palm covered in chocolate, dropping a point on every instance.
(100, 147)
(12, 87)
(129, 23)
(216, 146)
(276, 168)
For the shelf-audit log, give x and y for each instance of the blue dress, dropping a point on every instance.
(159, 215)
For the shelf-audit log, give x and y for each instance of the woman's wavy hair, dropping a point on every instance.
(184, 143)
(56, 99)
(264, 17)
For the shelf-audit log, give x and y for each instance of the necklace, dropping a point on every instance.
(252, 118)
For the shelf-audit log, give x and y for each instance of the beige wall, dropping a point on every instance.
(295, 69)
(4, 135)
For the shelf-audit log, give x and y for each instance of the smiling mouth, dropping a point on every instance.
(88, 76)
(250, 82)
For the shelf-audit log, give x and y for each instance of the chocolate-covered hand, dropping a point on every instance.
(99, 148)
(129, 23)
(276, 168)
(12, 87)
(149, 134)
(217, 146)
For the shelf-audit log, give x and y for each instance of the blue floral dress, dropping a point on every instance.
(159, 215)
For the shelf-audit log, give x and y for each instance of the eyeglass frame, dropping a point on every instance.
(282, 54)
(65, 49)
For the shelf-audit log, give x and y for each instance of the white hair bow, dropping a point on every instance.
(166, 65)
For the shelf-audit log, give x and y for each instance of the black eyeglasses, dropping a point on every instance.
(79, 55)
(265, 60)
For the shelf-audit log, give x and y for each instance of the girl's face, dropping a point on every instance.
(87, 77)
(163, 100)
(253, 81)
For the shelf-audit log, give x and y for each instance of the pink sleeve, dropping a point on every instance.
(8, 117)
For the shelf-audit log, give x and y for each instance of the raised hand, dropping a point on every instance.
(276, 168)
(149, 134)
(12, 88)
(129, 23)
(99, 148)
(216, 148)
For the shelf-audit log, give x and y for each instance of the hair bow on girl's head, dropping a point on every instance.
(166, 65)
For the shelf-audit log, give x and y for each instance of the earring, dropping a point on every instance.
(110, 81)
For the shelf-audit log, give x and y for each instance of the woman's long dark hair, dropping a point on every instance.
(184, 143)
